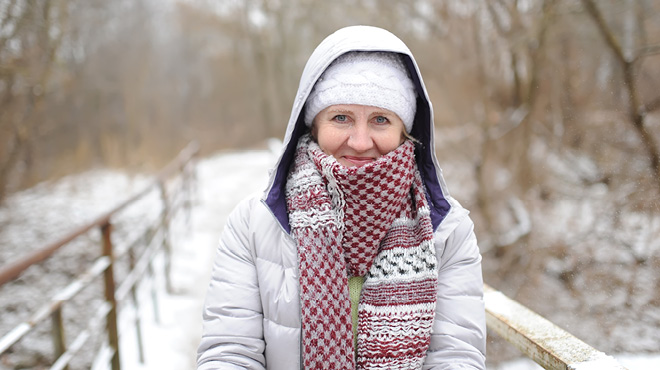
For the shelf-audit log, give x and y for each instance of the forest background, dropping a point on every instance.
(547, 115)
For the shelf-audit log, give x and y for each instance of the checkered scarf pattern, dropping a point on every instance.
(370, 221)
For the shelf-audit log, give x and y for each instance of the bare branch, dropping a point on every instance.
(635, 109)
(18, 26)
(546, 21)
(652, 106)
(7, 16)
(496, 19)
(649, 50)
(605, 31)
(430, 20)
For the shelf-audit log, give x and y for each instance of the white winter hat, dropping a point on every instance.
(378, 79)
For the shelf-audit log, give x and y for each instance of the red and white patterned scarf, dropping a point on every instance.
(368, 221)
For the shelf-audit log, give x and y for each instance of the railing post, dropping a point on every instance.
(136, 304)
(165, 224)
(109, 278)
(191, 181)
(109, 309)
(154, 294)
(186, 179)
(59, 342)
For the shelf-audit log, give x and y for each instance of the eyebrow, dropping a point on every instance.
(348, 111)
(342, 111)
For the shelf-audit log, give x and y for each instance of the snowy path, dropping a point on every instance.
(223, 180)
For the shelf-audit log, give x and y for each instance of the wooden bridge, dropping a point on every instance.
(537, 338)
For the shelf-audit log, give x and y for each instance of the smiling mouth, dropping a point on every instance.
(358, 161)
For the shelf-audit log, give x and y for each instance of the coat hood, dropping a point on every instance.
(360, 38)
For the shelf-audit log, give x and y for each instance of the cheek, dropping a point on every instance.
(330, 140)
(389, 142)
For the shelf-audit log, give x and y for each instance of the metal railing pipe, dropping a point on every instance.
(13, 269)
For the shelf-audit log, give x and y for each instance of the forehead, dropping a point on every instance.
(356, 109)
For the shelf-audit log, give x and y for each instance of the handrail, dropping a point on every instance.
(13, 269)
(539, 339)
(115, 292)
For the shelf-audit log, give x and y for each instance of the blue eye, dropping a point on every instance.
(381, 119)
(340, 118)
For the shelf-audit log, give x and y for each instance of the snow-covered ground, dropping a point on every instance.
(170, 340)
(223, 181)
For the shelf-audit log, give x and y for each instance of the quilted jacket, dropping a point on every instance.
(251, 317)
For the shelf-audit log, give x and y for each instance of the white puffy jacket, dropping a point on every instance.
(252, 310)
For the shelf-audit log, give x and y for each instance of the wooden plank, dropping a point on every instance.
(539, 339)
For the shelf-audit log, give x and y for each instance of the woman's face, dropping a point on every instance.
(357, 134)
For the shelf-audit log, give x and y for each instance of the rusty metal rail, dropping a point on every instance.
(539, 339)
(175, 196)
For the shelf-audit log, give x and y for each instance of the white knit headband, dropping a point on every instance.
(378, 79)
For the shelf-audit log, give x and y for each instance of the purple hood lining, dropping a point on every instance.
(275, 196)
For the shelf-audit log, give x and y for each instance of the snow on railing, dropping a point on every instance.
(140, 252)
(539, 339)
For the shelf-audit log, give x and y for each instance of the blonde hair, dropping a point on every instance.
(407, 135)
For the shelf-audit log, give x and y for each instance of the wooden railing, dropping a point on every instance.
(175, 184)
(539, 339)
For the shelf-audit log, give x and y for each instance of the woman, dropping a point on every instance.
(355, 256)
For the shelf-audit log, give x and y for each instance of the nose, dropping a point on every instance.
(360, 139)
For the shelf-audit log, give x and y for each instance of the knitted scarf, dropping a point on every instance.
(370, 221)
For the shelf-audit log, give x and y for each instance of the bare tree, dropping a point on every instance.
(637, 111)
(31, 35)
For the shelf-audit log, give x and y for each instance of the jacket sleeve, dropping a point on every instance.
(458, 337)
(232, 333)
